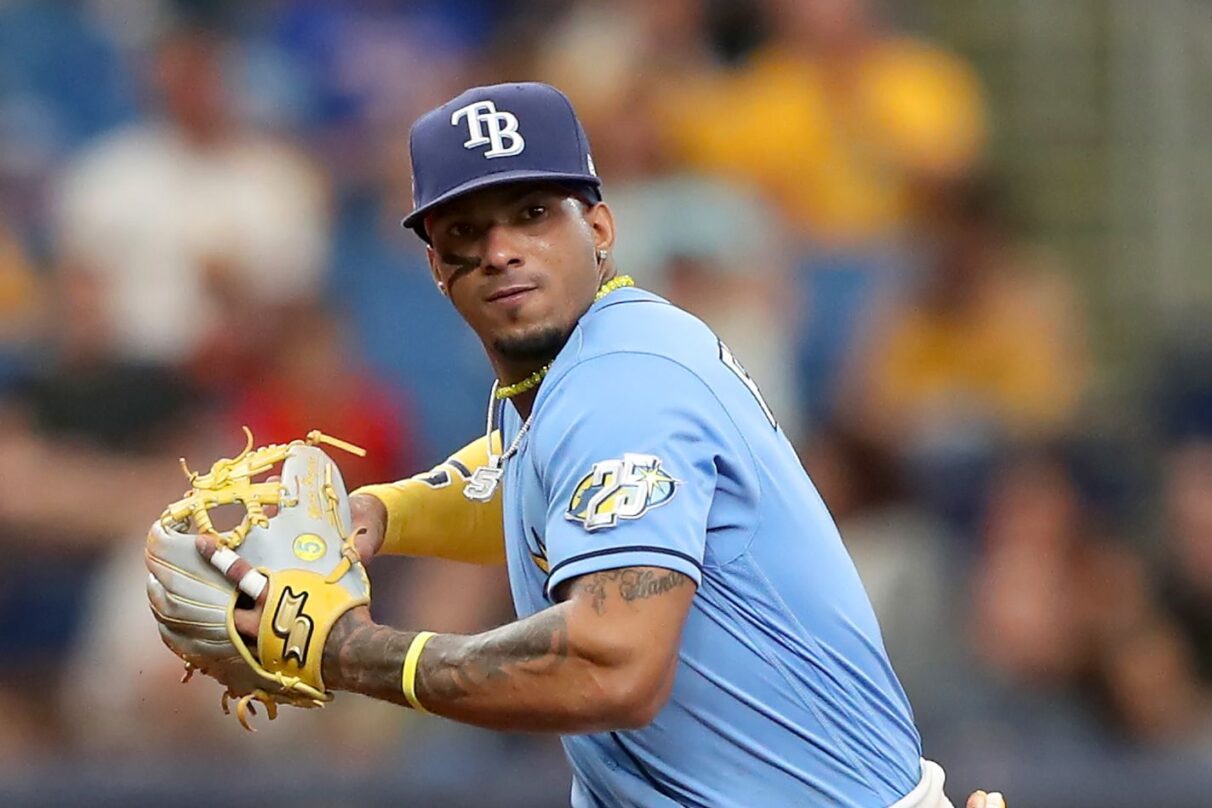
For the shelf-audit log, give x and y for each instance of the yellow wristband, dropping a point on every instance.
(409, 675)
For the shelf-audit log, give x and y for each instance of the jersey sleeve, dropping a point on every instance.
(428, 516)
(627, 457)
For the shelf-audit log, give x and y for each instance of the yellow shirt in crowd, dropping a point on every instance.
(837, 154)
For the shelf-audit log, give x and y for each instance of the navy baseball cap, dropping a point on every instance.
(494, 135)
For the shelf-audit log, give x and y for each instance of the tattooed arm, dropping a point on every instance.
(601, 659)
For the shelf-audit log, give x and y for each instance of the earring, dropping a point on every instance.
(442, 288)
(602, 256)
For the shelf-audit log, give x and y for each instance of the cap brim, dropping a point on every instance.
(416, 220)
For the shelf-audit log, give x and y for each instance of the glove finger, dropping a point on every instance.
(172, 557)
(191, 618)
(200, 652)
(235, 569)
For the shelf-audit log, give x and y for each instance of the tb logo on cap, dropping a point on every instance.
(501, 127)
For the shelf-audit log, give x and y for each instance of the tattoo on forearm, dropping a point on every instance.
(631, 584)
(457, 667)
(365, 657)
(368, 658)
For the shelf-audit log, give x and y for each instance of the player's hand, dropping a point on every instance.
(992, 799)
(369, 524)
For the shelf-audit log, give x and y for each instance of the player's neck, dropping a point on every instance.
(511, 373)
(524, 402)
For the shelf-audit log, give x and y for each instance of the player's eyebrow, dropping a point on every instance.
(510, 195)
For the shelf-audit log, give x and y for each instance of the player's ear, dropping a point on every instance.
(432, 257)
(601, 221)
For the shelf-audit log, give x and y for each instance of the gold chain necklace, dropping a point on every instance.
(532, 381)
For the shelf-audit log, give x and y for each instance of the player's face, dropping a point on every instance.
(519, 262)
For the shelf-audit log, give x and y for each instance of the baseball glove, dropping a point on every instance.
(302, 556)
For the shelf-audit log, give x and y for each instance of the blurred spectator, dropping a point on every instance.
(310, 381)
(1061, 609)
(1182, 398)
(84, 392)
(841, 121)
(21, 305)
(1188, 523)
(987, 349)
(86, 422)
(838, 117)
(82, 469)
(599, 53)
(200, 233)
(62, 84)
(370, 68)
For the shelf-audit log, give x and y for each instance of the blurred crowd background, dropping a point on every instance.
(961, 245)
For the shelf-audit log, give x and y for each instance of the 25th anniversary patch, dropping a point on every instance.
(615, 489)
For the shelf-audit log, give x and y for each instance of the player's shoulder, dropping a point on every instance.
(638, 321)
(634, 338)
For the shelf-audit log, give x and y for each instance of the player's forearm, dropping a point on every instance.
(531, 675)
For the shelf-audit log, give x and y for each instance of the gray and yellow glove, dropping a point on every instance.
(302, 557)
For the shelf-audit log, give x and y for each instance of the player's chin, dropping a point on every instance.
(538, 342)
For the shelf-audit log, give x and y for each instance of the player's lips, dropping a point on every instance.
(510, 294)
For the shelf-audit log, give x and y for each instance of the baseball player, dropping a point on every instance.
(688, 619)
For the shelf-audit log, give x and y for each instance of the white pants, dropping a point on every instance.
(928, 793)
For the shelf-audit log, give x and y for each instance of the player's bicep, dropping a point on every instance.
(630, 619)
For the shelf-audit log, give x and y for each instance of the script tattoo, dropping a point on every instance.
(631, 584)
(455, 667)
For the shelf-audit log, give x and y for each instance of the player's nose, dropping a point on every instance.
(502, 249)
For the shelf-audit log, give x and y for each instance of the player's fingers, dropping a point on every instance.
(981, 799)
(233, 567)
(248, 621)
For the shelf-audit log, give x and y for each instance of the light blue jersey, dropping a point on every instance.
(651, 446)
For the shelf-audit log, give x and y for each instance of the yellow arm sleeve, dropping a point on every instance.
(427, 515)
